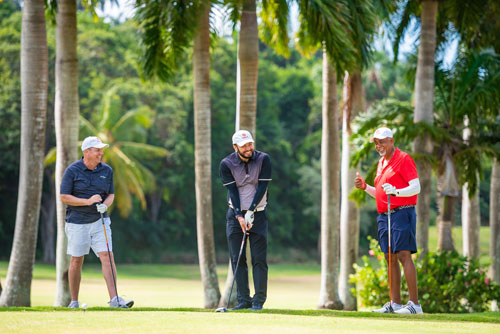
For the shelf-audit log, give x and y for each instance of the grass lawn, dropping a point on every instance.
(168, 299)
(484, 241)
(200, 321)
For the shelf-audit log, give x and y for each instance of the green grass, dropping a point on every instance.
(169, 300)
(201, 321)
(484, 241)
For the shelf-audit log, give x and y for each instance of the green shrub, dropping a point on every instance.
(447, 282)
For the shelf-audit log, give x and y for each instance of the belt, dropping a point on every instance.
(398, 208)
(262, 208)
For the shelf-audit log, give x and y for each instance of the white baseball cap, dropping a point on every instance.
(242, 137)
(92, 142)
(381, 133)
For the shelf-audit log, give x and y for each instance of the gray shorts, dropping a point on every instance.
(81, 237)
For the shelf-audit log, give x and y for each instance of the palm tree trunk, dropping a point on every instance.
(248, 66)
(495, 222)
(67, 110)
(445, 225)
(424, 112)
(349, 212)
(34, 82)
(203, 155)
(330, 224)
(471, 222)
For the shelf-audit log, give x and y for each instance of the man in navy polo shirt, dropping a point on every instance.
(87, 189)
(246, 174)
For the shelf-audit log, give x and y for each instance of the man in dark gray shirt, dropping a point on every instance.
(87, 188)
(246, 174)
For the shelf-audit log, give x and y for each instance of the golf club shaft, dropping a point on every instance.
(236, 269)
(109, 255)
(389, 229)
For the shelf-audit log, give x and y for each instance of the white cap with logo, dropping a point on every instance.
(92, 142)
(381, 133)
(242, 137)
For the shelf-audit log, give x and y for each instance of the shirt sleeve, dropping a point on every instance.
(112, 186)
(409, 169)
(229, 182)
(225, 174)
(266, 170)
(66, 187)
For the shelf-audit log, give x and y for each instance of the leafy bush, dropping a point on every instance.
(447, 282)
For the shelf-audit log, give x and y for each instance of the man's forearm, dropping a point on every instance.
(370, 190)
(109, 200)
(74, 201)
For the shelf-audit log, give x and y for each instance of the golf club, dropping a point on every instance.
(389, 228)
(224, 309)
(110, 259)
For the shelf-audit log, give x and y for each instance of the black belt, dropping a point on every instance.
(398, 208)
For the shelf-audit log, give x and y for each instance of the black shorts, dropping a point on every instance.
(403, 231)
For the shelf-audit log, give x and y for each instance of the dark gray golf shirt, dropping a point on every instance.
(251, 179)
(82, 182)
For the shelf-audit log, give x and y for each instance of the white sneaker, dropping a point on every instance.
(74, 304)
(120, 302)
(388, 308)
(410, 308)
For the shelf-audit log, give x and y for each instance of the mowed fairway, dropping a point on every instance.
(221, 323)
(169, 299)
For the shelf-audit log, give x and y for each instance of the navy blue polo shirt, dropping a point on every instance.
(82, 182)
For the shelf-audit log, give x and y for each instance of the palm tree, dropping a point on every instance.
(365, 17)
(34, 83)
(66, 126)
(169, 27)
(471, 220)
(349, 211)
(124, 132)
(247, 68)
(424, 111)
(203, 159)
(495, 222)
(320, 24)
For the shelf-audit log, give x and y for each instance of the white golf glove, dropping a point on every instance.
(101, 208)
(389, 189)
(249, 217)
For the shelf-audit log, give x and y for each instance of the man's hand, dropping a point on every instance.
(243, 224)
(94, 199)
(389, 189)
(359, 182)
(101, 208)
(249, 216)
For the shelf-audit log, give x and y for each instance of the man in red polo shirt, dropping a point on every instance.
(396, 176)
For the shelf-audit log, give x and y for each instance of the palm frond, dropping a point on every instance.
(274, 27)
(410, 10)
(328, 22)
(167, 28)
(50, 157)
(144, 151)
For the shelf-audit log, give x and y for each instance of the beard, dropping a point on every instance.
(247, 154)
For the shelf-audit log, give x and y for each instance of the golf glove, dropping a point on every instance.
(389, 189)
(101, 208)
(249, 217)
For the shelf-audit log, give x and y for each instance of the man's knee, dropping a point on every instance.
(104, 257)
(404, 256)
(76, 262)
